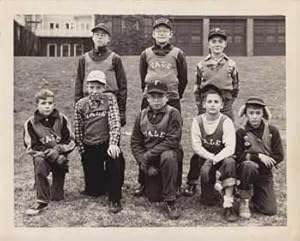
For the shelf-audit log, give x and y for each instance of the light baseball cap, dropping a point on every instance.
(96, 75)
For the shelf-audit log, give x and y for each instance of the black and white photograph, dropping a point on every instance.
(150, 119)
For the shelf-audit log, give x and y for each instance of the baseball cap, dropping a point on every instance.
(101, 26)
(255, 100)
(162, 21)
(217, 32)
(157, 86)
(96, 75)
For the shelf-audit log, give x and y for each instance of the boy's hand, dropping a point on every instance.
(152, 171)
(266, 160)
(113, 151)
(51, 154)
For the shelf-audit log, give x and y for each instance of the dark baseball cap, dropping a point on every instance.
(217, 32)
(255, 100)
(162, 21)
(157, 86)
(101, 26)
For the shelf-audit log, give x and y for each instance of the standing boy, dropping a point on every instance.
(167, 63)
(155, 143)
(103, 59)
(219, 70)
(258, 151)
(48, 139)
(97, 135)
(213, 142)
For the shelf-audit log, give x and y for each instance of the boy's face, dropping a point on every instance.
(94, 88)
(157, 100)
(100, 38)
(162, 34)
(213, 104)
(254, 115)
(217, 45)
(45, 106)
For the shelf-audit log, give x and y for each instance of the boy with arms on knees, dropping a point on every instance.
(103, 59)
(155, 144)
(213, 141)
(48, 139)
(167, 63)
(219, 70)
(97, 135)
(258, 150)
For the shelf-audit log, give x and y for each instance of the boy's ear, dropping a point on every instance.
(171, 34)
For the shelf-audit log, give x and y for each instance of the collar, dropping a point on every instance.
(166, 46)
(223, 56)
(38, 117)
(162, 110)
(100, 50)
(250, 128)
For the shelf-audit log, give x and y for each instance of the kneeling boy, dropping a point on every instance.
(213, 141)
(155, 143)
(48, 139)
(258, 150)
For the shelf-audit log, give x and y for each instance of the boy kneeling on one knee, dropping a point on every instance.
(155, 143)
(258, 150)
(213, 141)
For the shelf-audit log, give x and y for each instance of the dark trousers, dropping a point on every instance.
(141, 176)
(162, 187)
(102, 174)
(42, 169)
(257, 186)
(226, 110)
(226, 167)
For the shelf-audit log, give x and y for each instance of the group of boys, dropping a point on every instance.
(230, 164)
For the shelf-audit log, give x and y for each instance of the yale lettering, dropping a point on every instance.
(50, 138)
(95, 114)
(212, 142)
(161, 65)
(155, 134)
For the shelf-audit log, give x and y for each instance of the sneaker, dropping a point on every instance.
(139, 191)
(190, 190)
(36, 209)
(244, 210)
(172, 210)
(230, 215)
(115, 207)
(219, 188)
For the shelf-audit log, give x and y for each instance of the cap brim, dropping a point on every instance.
(168, 26)
(99, 28)
(255, 102)
(96, 80)
(156, 91)
(217, 35)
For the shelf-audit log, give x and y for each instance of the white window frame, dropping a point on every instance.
(48, 49)
(75, 48)
(69, 49)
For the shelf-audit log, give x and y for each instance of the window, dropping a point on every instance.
(67, 26)
(65, 50)
(57, 26)
(82, 26)
(270, 39)
(18, 32)
(196, 39)
(117, 25)
(51, 50)
(78, 49)
(51, 25)
(229, 39)
(238, 39)
(87, 26)
(147, 26)
(281, 39)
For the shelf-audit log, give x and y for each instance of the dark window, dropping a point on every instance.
(67, 26)
(57, 25)
(51, 25)
(52, 49)
(116, 25)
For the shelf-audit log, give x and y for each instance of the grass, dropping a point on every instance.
(263, 76)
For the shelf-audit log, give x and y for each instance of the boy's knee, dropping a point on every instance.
(249, 166)
(229, 162)
(168, 156)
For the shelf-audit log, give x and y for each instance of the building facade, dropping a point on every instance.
(70, 35)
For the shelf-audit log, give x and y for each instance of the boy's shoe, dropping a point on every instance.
(219, 188)
(36, 209)
(244, 210)
(190, 190)
(178, 192)
(172, 210)
(115, 207)
(230, 215)
(139, 191)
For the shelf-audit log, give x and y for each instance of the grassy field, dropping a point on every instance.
(263, 76)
